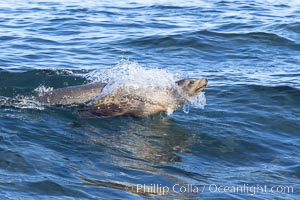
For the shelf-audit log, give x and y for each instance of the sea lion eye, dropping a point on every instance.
(192, 82)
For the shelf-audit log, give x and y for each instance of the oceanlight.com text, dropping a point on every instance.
(161, 189)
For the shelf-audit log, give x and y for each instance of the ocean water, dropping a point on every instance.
(239, 140)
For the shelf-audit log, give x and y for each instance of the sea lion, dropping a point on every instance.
(143, 102)
(125, 100)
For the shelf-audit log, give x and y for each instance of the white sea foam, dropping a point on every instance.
(22, 102)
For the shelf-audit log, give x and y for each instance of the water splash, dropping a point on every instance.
(135, 75)
(25, 102)
(21, 102)
(41, 90)
(199, 101)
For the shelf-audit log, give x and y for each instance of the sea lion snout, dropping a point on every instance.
(203, 82)
(192, 86)
(200, 85)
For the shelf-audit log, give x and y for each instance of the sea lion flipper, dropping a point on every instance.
(85, 114)
(71, 95)
(88, 111)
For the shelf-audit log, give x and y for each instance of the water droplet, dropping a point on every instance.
(186, 108)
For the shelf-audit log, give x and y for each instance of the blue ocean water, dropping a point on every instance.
(245, 143)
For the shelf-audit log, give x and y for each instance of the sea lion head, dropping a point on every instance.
(192, 86)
